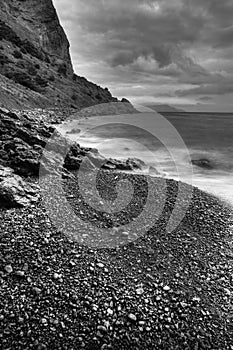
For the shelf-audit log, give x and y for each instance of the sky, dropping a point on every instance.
(176, 52)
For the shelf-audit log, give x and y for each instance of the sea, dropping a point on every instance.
(196, 148)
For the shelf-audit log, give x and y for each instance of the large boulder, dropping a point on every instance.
(203, 163)
(129, 164)
(14, 191)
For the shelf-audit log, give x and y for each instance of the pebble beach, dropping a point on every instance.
(160, 291)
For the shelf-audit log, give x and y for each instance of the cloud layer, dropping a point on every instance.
(163, 50)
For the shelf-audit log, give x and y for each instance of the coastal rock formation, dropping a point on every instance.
(14, 192)
(31, 147)
(35, 65)
(203, 163)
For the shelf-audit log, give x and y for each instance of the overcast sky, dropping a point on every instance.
(165, 51)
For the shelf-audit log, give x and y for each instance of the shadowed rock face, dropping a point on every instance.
(14, 192)
(35, 65)
(37, 21)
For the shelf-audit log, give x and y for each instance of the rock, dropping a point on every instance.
(20, 273)
(203, 163)
(100, 265)
(228, 292)
(95, 307)
(14, 192)
(132, 317)
(8, 269)
(124, 165)
(56, 276)
(109, 312)
(153, 171)
(41, 347)
(124, 100)
(44, 321)
(125, 234)
(73, 131)
(102, 329)
(139, 291)
(166, 288)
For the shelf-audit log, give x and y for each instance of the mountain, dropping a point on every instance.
(35, 64)
(164, 108)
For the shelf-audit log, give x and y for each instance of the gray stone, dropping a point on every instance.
(14, 191)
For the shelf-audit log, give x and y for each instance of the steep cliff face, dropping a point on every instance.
(35, 65)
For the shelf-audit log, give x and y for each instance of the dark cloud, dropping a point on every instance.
(185, 45)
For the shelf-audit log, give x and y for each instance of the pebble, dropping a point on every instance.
(102, 328)
(109, 312)
(132, 317)
(228, 292)
(125, 233)
(44, 320)
(139, 291)
(8, 269)
(95, 307)
(37, 290)
(166, 288)
(100, 265)
(20, 273)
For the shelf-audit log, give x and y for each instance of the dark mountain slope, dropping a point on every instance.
(35, 65)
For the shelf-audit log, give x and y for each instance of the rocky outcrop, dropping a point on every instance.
(37, 22)
(14, 192)
(203, 163)
(31, 147)
(35, 65)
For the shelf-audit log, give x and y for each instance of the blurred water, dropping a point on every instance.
(206, 135)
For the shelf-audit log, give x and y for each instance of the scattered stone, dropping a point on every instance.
(56, 276)
(102, 329)
(14, 192)
(100, 265)
(125, 233)
(95, 307)
(139, 291)
(110, 312)
(8, 269)
(44, 321)
(37, 290)
(166, 288)
(203, 163)
(132, 317)
(20, 273)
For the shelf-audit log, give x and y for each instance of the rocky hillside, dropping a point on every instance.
(35, 65)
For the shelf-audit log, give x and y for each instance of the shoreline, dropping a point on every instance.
(211, 168)
(159, 291)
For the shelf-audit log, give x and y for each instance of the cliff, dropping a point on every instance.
(35, 65)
